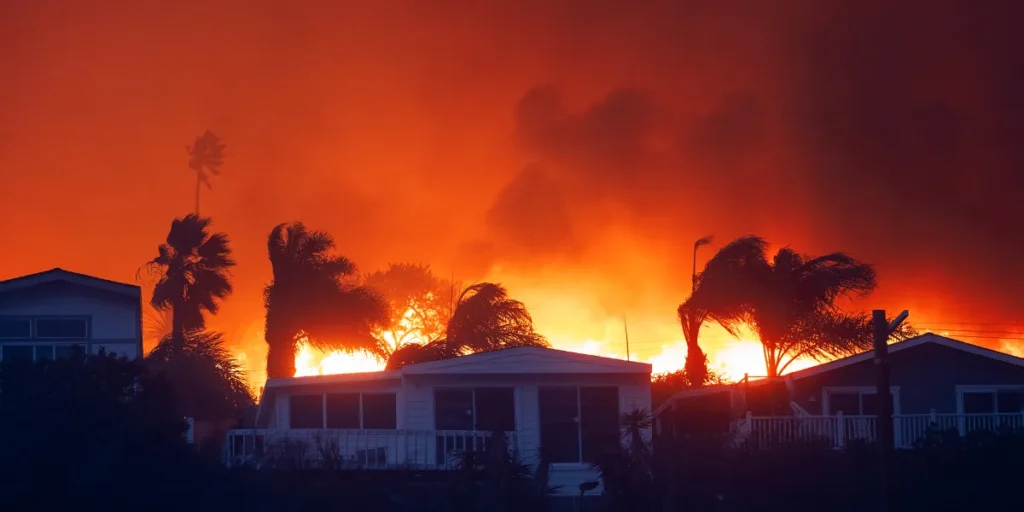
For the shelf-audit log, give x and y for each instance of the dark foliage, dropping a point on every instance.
(949, 473)
(207, 383)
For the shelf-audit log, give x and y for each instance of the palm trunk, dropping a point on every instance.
(177, 326)
(696, 366)
(197, 193)
(280, 359)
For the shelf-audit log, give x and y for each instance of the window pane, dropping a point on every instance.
(343, 410)
(846, 403)
(599, 422)
(979, 402)
(67, 351)
(453, 409)
(495, 409)
(1010, 400)
(17, 352)
(871, 406)
(15, 328)
(44, 352)
(380, 411)
(559, 424)
(306, 411)
(75, 328)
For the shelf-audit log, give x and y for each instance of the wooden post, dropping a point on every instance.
(884, 429)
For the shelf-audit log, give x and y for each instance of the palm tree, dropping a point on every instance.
(485, 318)
(205, 155)
(715, 295)
(314, 296)
(194, 269)
(790, 302)
(208, 382)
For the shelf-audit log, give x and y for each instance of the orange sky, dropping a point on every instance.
(573, 150)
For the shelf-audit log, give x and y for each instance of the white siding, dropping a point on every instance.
(112, 319)
(528, 423)
(419, 407)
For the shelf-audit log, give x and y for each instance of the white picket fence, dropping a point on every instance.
(840, 431)
(356, 449)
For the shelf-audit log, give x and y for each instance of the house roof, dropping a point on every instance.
(916, 341)
(526, 360)
(61, 275)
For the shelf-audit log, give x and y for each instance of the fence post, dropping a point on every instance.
(841, 429)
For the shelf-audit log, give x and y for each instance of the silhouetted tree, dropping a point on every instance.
(485, 318)
(716, 294)
(412, 353)
(205, 155)
(790, 302)
(194, 267)
(314, 295)
(156, 325)
(420, 303)
(208, 383)
(626, 470)
(664, 385)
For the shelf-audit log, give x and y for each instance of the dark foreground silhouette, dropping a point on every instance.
(101, 433)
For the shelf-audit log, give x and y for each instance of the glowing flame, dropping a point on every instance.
(309, 361)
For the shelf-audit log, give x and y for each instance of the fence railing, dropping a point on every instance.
(358, 449)
(840, 431)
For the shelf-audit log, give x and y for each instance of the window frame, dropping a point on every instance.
(985, 388)
(579, 423)
(323, 408)
(472, 401)
(31, 327)
(86, 320)
(861, 391)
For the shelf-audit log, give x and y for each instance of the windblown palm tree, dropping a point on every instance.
(790, 302)
(194, 269)
(205, 155)
(314, 296)
(716, 295)
(485, 318)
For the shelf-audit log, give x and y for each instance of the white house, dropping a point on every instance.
(423, 414)
(52, 313)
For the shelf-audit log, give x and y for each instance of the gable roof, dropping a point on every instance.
(916, 341)
(61, 275)
(526, 360)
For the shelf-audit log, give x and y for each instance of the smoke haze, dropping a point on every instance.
(573, 150)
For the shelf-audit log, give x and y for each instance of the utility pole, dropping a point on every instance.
(626, 329)
(884, 431)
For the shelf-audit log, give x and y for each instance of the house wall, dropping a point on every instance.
(415, 399)
(115, 319)
(927, 377)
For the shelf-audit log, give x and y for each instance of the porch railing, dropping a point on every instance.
(840, 431)
(357, 449)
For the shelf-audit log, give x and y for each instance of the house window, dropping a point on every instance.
(15, 328)
(306, 411)
(343, 410)
(992, 400)
(380, 411)
(17, 352)
(483, 409)
(62, 328)
(377, 411)
(44, 352)
(578, 424)
(862, 401)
